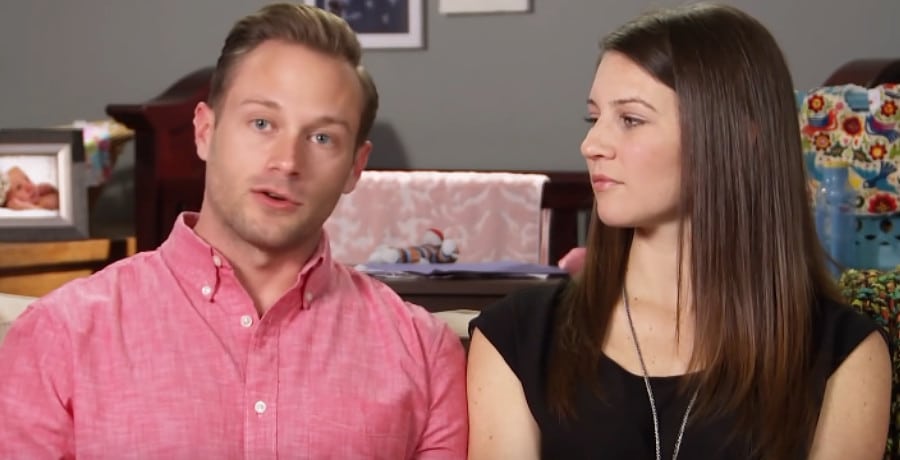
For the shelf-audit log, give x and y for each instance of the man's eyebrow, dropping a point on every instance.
(263, 102)
(330, 120)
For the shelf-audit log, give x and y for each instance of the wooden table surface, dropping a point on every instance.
(36, 268)
(440, 294)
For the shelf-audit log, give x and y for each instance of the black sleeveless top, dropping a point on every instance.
(620, 426)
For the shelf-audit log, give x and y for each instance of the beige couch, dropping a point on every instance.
(11, 306)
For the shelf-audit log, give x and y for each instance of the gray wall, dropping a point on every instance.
(487, 92)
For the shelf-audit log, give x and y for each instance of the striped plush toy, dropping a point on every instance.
(435, 249)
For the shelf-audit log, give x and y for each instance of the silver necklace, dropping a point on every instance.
(650, 391)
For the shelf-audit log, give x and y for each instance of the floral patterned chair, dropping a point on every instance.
(877, 294)
(860, 126)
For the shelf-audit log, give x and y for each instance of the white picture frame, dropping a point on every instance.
(381, 24)
(484, 6)
(46, 158)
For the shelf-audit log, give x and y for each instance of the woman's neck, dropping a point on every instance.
(653, 267)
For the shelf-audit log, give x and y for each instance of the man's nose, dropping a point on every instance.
(286, 155)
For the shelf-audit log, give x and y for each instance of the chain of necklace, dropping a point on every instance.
(650, 391)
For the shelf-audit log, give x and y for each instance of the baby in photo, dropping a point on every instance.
(17, 191)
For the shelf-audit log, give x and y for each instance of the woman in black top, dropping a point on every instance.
(703, 324)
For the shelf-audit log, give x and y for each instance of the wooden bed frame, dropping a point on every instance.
(169, 176)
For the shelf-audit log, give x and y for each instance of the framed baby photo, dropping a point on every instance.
(381, 24)
(42, 190)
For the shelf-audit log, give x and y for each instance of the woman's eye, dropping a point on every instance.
(631, 122)
(590, 119)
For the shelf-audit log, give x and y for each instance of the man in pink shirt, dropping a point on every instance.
(240, 337)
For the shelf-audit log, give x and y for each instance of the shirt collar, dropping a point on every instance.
(197, 263)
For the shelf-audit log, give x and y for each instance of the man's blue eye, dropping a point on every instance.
(322, 138)
(261, 124)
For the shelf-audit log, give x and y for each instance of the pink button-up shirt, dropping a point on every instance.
(163, 356)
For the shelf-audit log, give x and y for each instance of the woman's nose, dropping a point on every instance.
(595, 144)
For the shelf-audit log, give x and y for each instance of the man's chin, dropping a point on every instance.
(277, 241)
(273, 243)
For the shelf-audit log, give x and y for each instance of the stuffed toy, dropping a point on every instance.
(433, 250)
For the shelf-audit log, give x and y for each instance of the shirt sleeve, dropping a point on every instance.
(845, 329)
(498, 323)
(36, 388)
(446, 434)
(519, 328)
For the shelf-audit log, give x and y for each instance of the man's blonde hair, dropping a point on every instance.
(300, 24)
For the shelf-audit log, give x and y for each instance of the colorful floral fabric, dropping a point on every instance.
(877, 294)
(862, 127)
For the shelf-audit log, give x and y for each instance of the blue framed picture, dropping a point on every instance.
(380, 23)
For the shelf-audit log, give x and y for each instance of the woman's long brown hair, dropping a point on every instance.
(756, 267)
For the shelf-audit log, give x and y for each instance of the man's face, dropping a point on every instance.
(280, 148)
(20, 186)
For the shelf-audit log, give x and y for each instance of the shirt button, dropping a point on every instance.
(246, 321)
(206, 290)
(217, 261)
(309, 297)
(259, 407)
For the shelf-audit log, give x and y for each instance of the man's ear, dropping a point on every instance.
(204, 125)
(360, 158)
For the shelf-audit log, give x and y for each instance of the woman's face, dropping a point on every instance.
(633, 146)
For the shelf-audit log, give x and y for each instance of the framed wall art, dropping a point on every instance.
(484, 6)
(381, 24)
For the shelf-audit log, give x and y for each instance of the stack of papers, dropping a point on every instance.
(502, 269)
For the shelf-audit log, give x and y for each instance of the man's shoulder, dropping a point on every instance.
(101, 287)
(382, 301)
(83, 304)
(376, 294)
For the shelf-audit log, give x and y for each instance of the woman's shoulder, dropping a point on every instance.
(520, 325)
(838, 330)
(524, 308)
